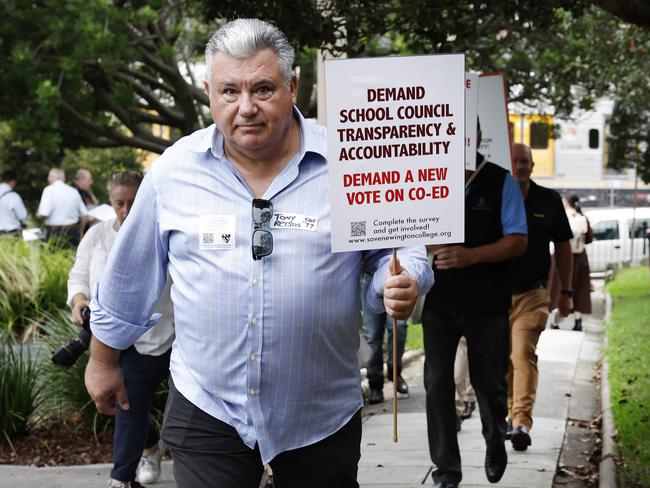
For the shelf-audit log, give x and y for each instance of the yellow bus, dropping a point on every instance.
(536, 132)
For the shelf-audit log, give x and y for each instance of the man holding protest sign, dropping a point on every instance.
(264, 366)
(471, 298)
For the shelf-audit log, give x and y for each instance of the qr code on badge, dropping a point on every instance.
(207, 238)
(358, 229)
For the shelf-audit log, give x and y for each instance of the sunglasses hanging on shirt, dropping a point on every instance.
(262, 240)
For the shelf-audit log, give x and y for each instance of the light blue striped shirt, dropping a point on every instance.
(267, 346)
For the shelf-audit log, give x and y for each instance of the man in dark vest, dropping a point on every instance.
(471, 297)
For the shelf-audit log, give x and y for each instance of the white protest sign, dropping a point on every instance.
(493, 115)
(471, 113)
(396, 150)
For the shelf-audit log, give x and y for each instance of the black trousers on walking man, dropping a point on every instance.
(487, 348)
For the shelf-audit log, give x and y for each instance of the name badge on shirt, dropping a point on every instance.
(293, 221)
(216, 232)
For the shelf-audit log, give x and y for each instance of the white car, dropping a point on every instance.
(620, 238)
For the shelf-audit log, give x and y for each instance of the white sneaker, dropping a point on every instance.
(113, 483)
(149, 467)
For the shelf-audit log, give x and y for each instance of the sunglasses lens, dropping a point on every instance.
(262, 244)
(262, 210)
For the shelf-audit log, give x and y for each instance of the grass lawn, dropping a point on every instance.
(414, 337)
(628, 353)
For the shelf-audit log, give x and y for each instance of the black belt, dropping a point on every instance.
(535, 285)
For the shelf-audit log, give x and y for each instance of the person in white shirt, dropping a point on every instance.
(145, 364)
(62, 208)
(12, 208)
(581, 283)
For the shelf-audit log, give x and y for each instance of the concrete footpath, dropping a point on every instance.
(407, 463)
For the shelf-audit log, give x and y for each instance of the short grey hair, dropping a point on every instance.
(56, 174)
(243, 38)
(125, 178)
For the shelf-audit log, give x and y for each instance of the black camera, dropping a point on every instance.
(66, 355)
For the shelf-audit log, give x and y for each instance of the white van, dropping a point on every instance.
(614, 245)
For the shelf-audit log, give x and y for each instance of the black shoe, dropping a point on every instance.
(467, 411)
(577, 325)
(555, 326)
(376, 396)
(444, 484)
(521, 438)
(496, 461)
(459, 422)
(402, 387)
(509, 430)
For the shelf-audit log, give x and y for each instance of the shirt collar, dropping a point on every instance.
(311, 139)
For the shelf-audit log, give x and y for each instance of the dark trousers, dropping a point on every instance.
(134, 429)
(487, 348)
(208, 453)
(63, 235)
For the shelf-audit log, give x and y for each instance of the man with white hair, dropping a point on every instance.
(62, 208)
(264, 366)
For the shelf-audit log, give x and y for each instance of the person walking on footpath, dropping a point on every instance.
(62, 208)
(581, 283)
(465, 394)
(12, 209)
(264, 365)
(136, 446)
(471, 297)
(547, 222)
(374, 327)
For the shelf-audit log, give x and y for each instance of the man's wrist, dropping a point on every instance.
(103, 356)
(567, 292)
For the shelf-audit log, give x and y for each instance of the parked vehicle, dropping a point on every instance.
(620, 238)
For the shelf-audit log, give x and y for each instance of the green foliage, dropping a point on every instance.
(19, 394)
(102, 163)
(414, 337)
(19, 279)
(628, 354)
(55, 264)
(33, 280)
(93, 73)
(64, 391)
(96, 73)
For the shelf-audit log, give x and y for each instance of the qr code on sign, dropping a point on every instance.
(357, 229)
(207, 238)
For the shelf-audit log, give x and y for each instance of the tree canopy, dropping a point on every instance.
(100, 74)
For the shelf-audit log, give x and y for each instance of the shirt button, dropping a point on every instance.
(252, 392)
(254, 320)
(256, 281)
(253, 357)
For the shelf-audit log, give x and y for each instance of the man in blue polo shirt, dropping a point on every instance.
(471, 297)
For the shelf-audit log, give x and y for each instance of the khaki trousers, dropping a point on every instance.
(528, 317)
(464, 390)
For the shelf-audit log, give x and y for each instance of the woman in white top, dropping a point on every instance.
(136, 446)
(581, 283)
